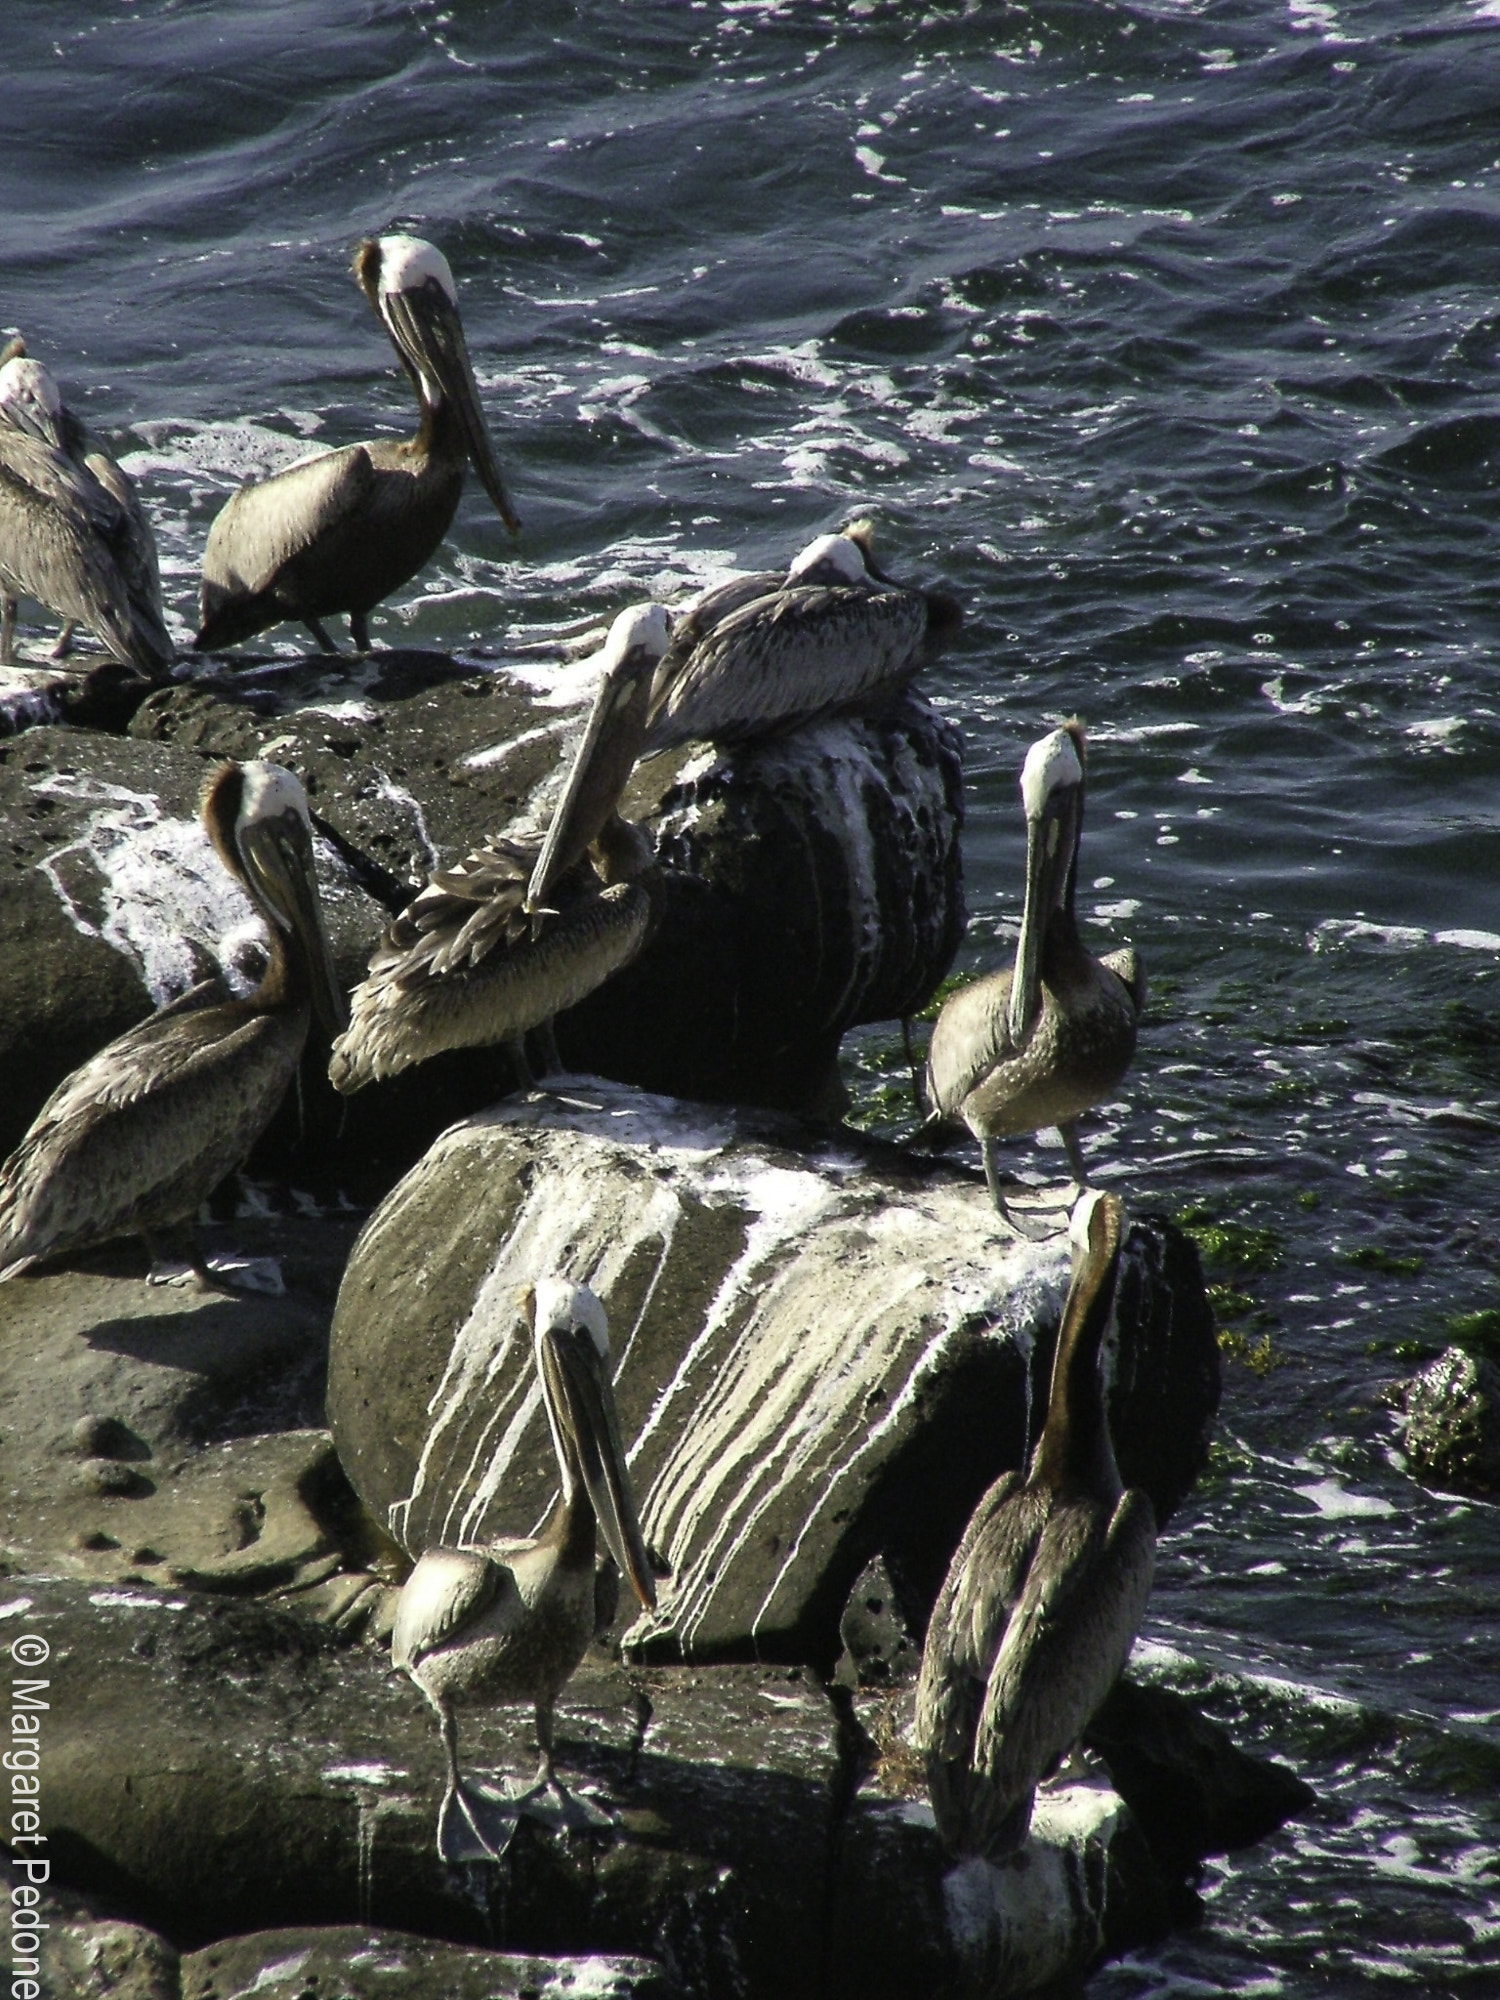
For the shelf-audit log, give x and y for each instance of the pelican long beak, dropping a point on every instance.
(1051, 838)
(582, 1387)
(602, 765)
(278, 855)
(1095, 1228)
(612, 740)
(425, 326)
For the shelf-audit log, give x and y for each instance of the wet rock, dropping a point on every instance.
(107, 1437)
(360, 1963)
(411, 757)
(1452, 1424)
(820, 1356)
(811, 883)
(216, 1769)
(91, 692)
(1193, 1791)
(88, 1953)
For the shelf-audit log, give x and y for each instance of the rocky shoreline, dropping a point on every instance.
(826, 1348)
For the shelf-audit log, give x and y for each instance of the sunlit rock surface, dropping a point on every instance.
(819, 1355)
(159, 1433)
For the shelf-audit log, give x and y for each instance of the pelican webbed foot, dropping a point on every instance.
(476, 1822)
(228, 1276)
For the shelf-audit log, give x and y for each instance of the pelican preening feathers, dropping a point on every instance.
(72, 533)
(142, 1133)
(511, 1622)
(518, 931)
(762, 652)
(341, 530)
(1039, 1043)
(1046, 1591)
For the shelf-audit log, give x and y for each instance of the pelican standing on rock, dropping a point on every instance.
(341, 530)
(516, 933)
(142, 1133)
(1046, 1591)
(1039, 1043)
(760, 653)
(73, 534)
(511, 1622)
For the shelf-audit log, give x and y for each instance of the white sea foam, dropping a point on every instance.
(1336, 1503)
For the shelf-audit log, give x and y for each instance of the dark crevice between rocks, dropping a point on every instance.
(856, 1757)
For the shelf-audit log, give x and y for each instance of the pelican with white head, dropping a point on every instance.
(1054, 1033)
(340, 530)
(511, 1621)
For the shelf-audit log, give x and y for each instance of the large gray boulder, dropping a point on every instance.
(820, 1355)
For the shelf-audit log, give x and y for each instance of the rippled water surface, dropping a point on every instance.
(1169, 337)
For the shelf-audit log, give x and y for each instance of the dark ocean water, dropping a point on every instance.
(1168, 336)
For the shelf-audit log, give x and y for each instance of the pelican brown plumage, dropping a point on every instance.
(518, 931)
(144, 1131)
(342, 529)
(511, 1621)
(761, 652)
(1046, 1591)
(73, 534)
(1039, 1043)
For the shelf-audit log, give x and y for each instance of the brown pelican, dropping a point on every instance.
(137, 1137)
(1045, 1593)
(341, 530)
(512, 1621)
(517, 933)
(1040, 1043)
(72, 532)
(760, 653)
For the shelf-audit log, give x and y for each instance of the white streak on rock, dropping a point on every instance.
(342, 711)
(155, 884)
(497, 753)
(399, 796)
